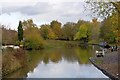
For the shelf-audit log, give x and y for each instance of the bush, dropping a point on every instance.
(33, 39)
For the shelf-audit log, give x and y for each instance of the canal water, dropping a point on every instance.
(60, 63)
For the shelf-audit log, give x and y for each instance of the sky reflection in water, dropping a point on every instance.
(64, 69)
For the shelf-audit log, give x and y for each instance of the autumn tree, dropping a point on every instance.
(109, 29)
(46, 32)
(56, 27)
(95, 31)
(51, 34)
(80, 22)
(68, 31)
(20, 31)
(28, 23)
(33, 39)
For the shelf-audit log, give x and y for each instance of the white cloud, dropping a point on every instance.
(11, 20)
(50, 1)
(38, 8)
(41, 12)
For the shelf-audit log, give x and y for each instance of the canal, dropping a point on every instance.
(60, 63)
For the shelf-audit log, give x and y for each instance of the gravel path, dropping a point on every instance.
(109, 63)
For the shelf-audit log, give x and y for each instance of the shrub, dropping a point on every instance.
(33, 39)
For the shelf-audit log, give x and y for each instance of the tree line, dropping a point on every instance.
(82, 30)
(33, 36)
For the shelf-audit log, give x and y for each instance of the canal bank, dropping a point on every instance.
(108, 64)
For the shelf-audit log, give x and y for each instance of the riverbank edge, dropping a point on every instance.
(103, 70)
(15, 59)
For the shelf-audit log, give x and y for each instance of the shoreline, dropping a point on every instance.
(108, 64)
(104, 71)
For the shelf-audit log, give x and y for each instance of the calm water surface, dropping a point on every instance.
(60, 63)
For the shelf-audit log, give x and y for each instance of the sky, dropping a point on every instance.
(41, 11)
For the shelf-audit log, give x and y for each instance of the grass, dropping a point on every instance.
(59, 43)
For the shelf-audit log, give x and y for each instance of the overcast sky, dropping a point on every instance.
(42, 12)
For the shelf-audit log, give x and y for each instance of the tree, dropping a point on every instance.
(109, 29)
(83, 33)
(33, 39)
(51, 34)
(20, 31)
(8, 36)
(95, 31)
(56, 28)
(28, 23)
(68, 31)
(103, 8)
(46, 32)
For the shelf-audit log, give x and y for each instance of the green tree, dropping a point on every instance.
(83, 33)
(20, 31)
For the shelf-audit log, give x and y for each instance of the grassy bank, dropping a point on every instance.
(61, 43)
(13, 60)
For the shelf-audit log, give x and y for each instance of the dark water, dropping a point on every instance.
(60, 63)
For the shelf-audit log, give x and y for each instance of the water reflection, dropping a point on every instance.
(65, 69)
(60, 63)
